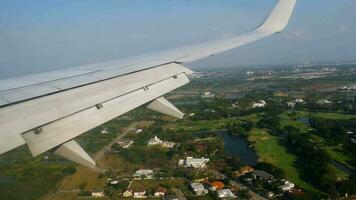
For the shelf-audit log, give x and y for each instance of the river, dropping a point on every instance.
(238, 146)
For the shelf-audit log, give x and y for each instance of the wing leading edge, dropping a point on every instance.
(46, 111)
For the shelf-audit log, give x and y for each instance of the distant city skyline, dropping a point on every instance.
(38, 36)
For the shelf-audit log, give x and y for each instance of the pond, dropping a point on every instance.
(304, 120)
(238, 146)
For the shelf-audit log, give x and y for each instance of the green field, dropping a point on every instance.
(287, 120)
(334, 116)
(199, 125)
(270, 151)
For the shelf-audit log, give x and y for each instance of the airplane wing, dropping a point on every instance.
(46, 111)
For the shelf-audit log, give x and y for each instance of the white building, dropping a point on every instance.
(138, 130)
(208, 95)
(157, 141)
(259, 104)
(98, 193)
(299, 101)
(105, 131)
(127, 193)
(194, 162)
(225, 193)
(154, 141)
(199, 189)
(291, 104)
(125, 144)
(147, 173)
(288, 186)
(249, 73)
(140, 194)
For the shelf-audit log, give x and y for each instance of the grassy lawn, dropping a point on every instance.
(199, 125)
(287, 120)
(269, 151)
(335, 116)
(252, 117)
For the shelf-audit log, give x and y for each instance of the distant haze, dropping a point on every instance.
(42, 35)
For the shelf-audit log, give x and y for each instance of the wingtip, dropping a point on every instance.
(279, 18)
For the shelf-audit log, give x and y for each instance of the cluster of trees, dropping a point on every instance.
(241, 128)
(334, 131)
(312, 161)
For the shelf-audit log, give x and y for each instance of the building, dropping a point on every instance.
(154, 141)
(139, 193)
(147, 173)
(299, 101)
(208, 95)
(194, 162)
(225, 193)
(125, 144)
(291, 104)
(128, 193)
(105, 131)
(138, 130)
(114, 182)
(157, 141)
(249, 73)
(324, 101)
(98, 193)
(259, 104)
(199, 189)
(216, 185)
(258, 174)
(170, 197)
(160, 192)
(246, 169)
(288, 186)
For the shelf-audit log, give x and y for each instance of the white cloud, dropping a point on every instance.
(343, 28)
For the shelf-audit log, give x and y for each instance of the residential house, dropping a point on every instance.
(291, 104)
(245, 170)
(259, 104)
(125, 144)
(198, 189)
(194, 162)
(98, 193)
(154, 141)
(157, 141)
(139, 193)
(170, 197)
(288, 186)
(208, 95)
(225, 193)
(258, 174)
(160, 192)
(216, 185)
(146, 173)
(128, 193)
(104, 131)
(299, 101)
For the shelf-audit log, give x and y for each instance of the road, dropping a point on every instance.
(101, 153)
(254, 195)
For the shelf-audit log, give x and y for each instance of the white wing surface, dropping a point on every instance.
(46, 111)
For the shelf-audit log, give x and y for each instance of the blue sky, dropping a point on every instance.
(44, 35)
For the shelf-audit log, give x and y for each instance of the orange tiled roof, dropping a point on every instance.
(217, 184)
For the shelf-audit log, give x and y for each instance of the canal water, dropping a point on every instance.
(238, 146)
